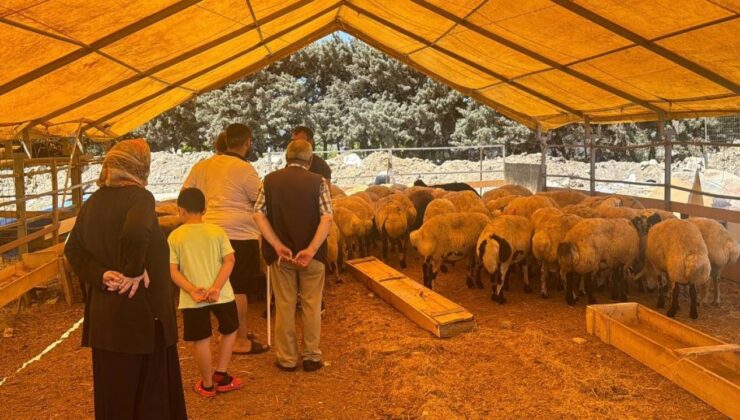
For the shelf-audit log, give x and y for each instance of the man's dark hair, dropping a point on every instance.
(305, 130)
(192, 200)
(220, 143)
(237, 134)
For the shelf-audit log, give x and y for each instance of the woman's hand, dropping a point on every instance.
(131, 284)
(112, 280)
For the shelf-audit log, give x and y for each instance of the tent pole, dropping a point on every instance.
(589, 141)
(543, 161)
(666, 161)
(20, 193)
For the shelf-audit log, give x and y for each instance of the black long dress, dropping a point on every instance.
(136, 369)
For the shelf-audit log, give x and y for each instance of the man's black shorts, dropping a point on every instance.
(196, 322)
(245, 277)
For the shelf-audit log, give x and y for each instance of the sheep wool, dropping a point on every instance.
(722, 250)
(506, 240)
(379, 190)
(447, 237)
(525, 206)
(506, 190)
(565, 197)
(497, 205)
(580, 210)
(548, 235)
(437, 207)
(467, 202)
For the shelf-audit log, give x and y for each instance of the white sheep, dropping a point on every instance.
(676, 247)
(496, 206)
(721, 247)
(467, 202)
(336, 192)
(506, 240)
(379, 190)
(592, 245)
(564, 197)
(525, 206)
(448, 237)
(439, 206)
(360, 229)
(334, 257)
(549, 232)
(505, 190)
(580, 210)
(393, 217)
(351, 228)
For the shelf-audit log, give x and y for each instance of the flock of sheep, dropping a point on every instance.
(582, 240)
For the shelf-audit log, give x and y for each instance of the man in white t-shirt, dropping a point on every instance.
(230, 185)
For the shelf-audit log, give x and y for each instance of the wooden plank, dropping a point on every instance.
(428, 309)
(711, 375)
(25, 282)
(28, 238)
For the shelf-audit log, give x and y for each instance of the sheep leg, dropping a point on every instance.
(402, 251)
(662, 289)
(543, 280)
(525, 276)
(674, 302)
(384, 252)
(715, 280)
(426, 269)
(478, 269)
(590, 281)
(569, 286)
(622, 278)
(692, 293)
(615, 284)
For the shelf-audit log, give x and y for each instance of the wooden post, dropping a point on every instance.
(667, 161)
(54, 200)
(589, 141)
(75, 171)
(19, 178)
(543, 154)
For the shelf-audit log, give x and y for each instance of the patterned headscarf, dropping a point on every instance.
(126, 163)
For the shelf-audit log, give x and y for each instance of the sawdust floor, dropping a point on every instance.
(521, 361)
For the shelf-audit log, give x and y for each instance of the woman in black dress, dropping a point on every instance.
(119, 251)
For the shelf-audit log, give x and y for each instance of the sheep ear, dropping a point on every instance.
(504, 249)
(637, 222)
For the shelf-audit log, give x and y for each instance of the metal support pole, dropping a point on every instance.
(543, 161)
(667, 161)
(389, 172)
(19, 179)
(480, 178)
(589, 141)
(54, 200)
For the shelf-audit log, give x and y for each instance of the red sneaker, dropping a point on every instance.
(235, 384)
(202, 391)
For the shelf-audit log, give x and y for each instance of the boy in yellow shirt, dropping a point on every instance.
(201, 260)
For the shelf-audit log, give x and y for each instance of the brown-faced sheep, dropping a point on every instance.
(506, 240)
(525, 206)
(592, 245)
(676, 248)
(722, 249)
(448, 237)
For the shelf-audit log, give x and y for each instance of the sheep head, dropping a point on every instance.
(424, 243)
(567, 255)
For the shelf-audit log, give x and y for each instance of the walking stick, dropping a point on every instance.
(269, 303)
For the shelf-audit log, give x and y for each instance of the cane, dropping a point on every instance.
(269, 303)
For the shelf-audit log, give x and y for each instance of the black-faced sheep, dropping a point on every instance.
(722, 249)
(592, 245)
(448, 237)
(506, 240)
(450, 186)
(676, 248)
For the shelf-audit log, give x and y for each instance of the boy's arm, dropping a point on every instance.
(224, 272)
(198, 293)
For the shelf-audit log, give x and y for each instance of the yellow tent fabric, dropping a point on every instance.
(104, 68)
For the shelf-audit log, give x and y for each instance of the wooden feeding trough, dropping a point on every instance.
(34, 269)
(701, 364)
(430, 310)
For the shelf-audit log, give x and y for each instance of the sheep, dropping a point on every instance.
(420, 197)
(351, 228)
(549, 232)
(369, 197)
(497, 205)
(722, 249)
(525, 206)
(564, 197)
(541, 215)
(467, 202)
(336, 192)
(394, 215)
(379, 190)
(451, 186)
(334, 257)
(506, 240)
(437, 207)
(361, 229)
(613, 201)
(676, 247)
(592, 245)
(506, 190)
(398, 187)
(448, 237)
(581, 211)
(168, 223)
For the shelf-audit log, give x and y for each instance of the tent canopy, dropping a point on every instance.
(107, 67)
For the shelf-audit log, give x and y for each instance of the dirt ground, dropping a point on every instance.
(520, 362)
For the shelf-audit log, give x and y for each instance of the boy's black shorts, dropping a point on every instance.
(196, 322)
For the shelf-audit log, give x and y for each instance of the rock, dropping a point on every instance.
(8, 332)
(52, 301)
(505, 324)
(371, 295)
(579, 340)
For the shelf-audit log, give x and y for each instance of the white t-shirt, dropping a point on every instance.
(230, 185)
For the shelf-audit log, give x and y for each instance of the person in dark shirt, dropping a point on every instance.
(318, 165)
(120, 253)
